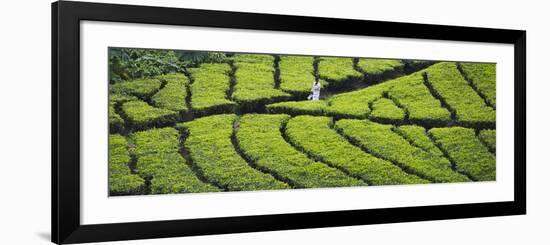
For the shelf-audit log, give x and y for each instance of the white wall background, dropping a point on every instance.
(25, 122)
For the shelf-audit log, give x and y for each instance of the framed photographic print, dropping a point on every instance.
(176, 122)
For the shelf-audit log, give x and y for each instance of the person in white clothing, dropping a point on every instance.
(315, 91)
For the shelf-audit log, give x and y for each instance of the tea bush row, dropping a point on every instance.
(174, 94)
(142, 88)
(314, 136)
(211, 149)
(384, 110)
(470, 109)
(378, 69)
(255, 81)
(141, 115)
(483, 76)
(467, 152)
(259, 137)
(418, 137)
(337, 71)
(209, 89)
(296, 74)
(158, 159)
(383, 142)
(489, 137)
(121, 179)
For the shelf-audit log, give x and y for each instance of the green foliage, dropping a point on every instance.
(211, 149)
(121, 179)
(338, 70)
(470, 109)
(115, 121)
(255, 84)
(132, 63)
(142, 88)
(484, 77)
(467, 152)
(260, 139)
(489, 138)
(384, 110)
(383, 142)
(173, 95)
(308, 107)
(120, 98)
(314, 136)
(418, 137)
(142, 115)
(377, 67)
(416, 99)
(296, 74)
(209, 89)
(160, 161)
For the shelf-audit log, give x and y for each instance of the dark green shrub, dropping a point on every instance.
(132, 63)
(467, 152)
(211, 149)
(121, 179)
(383, 142)
(141, 115)
(314, 136)
(260, 139)
(157, 151)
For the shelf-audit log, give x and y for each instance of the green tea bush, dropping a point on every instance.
(467, 152)
(378, 69)
(141, 115)
(259, 137)
(470, 109)
(416, 99)
(209, 89)
(174, 94)
(121, 179)
(483, 76)
(418, 137)
(118, 98)
(308, 107)
(383, 142)
(296, 74)
(211, 149)
(356, 103)
(142, 88)
(338, 71)
(314, 136)
(255, 82)
(385, 111)
(157, 151)
(116, 123)
(489, 137)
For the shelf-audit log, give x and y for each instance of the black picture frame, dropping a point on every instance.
(66, 18)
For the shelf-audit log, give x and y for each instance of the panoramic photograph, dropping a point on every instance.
(184, 121)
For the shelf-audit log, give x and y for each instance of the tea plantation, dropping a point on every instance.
(244, 124)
